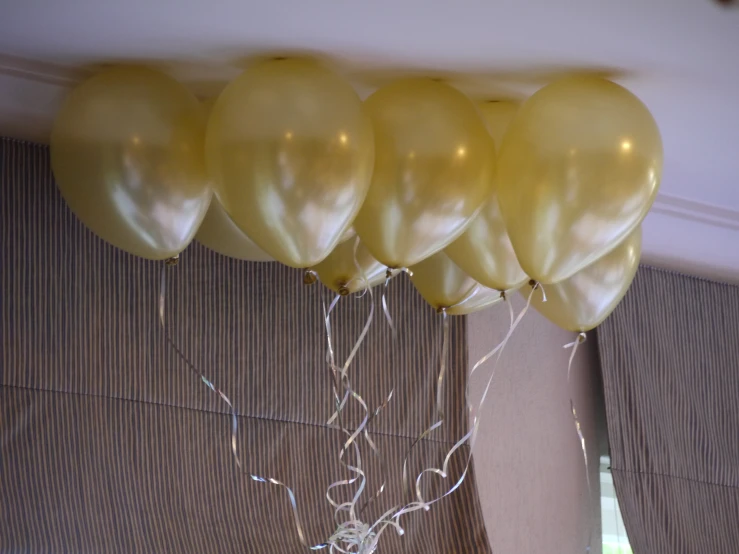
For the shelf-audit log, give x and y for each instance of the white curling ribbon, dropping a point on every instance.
(421, 503)
(234, 418)
(354, 535)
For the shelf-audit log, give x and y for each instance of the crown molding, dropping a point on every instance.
(692, 210)
(693, 238)
(41, 72)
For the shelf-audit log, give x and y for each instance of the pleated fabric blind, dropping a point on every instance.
(109, 443)
(670, 358)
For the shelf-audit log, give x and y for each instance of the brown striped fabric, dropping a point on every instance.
(670, 358)
(109, 443)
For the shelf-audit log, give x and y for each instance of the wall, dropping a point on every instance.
(530, 469)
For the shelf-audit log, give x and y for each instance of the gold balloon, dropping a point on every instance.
(446, 287)
(219, 233)
(290, 150)
(584, 300)
(339, 272)
(484, 250)
(432, 171)
(578, 170)
(478, 299)
(350, 233)
(127, 155)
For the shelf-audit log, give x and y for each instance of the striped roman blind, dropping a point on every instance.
(670, 358)
(108, 443)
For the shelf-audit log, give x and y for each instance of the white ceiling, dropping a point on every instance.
(679, 56)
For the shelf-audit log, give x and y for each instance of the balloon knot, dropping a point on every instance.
(174, 260)
(309, 277)
(533, 284)
(503, 295)
(343, 291)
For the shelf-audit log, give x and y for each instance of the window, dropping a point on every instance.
(615, 540)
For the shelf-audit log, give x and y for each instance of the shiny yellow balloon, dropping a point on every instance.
(585, 299)
(219, 233)
(479, 298)
(127, 156)
(350, 233)
(484, 251)
(432, 171)
(446, 287)
(290, 149)
(578, 170)
(339, 272)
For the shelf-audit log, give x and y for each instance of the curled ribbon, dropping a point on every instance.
(390, 274)
(439, 407)
(234, 415)
(420, 502)
(353, 535)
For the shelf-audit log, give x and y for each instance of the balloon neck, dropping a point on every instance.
(536, 285)
(503, 295)
(343, 291)
(394, 270)
(309, 277)
(174, 260)
(441, 310)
